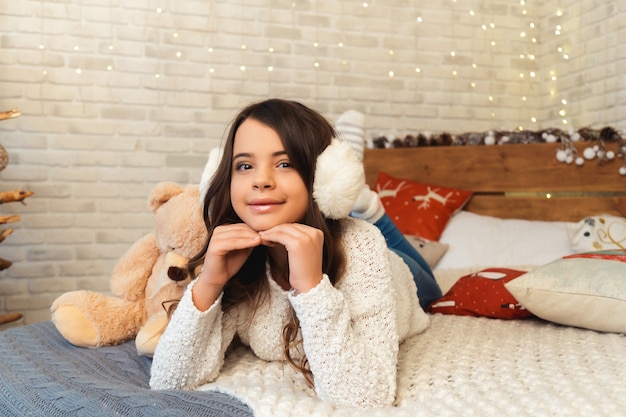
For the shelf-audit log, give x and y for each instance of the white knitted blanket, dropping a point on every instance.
(463, 366)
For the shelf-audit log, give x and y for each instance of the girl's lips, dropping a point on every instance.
(263, 206)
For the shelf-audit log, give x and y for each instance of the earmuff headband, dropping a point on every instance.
(339, 178)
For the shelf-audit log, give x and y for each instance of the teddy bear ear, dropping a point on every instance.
(162, 193)
(215, 156)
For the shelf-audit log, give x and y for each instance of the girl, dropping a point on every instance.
(288, 273)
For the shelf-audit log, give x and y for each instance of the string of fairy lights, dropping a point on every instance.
(471, 63)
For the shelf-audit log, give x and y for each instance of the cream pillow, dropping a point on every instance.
(582, 290)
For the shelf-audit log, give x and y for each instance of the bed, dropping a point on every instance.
(521, 210)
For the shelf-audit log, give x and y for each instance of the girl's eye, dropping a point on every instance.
(284, 164)
(243, 166)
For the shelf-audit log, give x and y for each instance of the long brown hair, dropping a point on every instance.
(304, 134)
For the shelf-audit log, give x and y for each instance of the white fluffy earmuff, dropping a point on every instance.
(339, 178)
(210, 167)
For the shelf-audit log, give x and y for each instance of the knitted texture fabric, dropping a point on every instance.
(368, 206)
(41, 374)
(349, 127)
(463, 366)
(351, 332)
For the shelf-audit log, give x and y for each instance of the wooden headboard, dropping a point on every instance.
(522, 181)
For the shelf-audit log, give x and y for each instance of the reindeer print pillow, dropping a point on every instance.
(419, 209)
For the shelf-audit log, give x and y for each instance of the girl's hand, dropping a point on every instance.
(229, 247)
(304, 245)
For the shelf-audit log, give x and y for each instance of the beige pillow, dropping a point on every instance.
(431, 251)
(583, 290)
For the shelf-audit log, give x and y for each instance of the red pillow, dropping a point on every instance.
(482, 294)
(419, 209)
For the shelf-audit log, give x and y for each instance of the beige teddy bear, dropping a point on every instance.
(150, 275)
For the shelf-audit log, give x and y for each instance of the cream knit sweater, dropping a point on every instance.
(351, 332)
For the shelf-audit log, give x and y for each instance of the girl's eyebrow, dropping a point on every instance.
(249, 155)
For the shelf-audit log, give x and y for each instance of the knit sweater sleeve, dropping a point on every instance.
(191, 350)
(349, 331)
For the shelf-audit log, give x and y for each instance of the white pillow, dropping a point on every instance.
(477, 240)
(602, 232)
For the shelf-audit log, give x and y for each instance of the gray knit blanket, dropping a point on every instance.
(41, 374)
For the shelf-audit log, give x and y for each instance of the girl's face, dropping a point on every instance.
(265, 188)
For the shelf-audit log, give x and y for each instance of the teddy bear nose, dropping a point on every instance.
(177, 274)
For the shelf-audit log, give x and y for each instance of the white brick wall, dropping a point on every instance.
(92, 145)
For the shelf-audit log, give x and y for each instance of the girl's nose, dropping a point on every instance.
(264, 179)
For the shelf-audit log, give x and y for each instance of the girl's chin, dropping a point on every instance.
(266, 223)
(261, 225)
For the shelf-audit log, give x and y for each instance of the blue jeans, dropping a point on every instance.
(427, 288)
